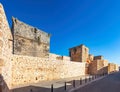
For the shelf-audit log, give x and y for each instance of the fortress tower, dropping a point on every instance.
(79, 53)
(25, 58)
(29, 40)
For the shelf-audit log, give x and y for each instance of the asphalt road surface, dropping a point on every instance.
(110, 83)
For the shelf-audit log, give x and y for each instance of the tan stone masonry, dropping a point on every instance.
(26, 69)
(25, 57)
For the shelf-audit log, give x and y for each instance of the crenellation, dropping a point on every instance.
(79, 53)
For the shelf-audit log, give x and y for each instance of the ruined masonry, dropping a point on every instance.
(25, 57)
(29, 40)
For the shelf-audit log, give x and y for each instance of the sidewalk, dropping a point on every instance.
(61, 85)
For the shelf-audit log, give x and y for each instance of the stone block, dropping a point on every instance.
(98, 66)
(0, 51)
(1, 62)
(1, 34)
(1, 20)
(1, 43)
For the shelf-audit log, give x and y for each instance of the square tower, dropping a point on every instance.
(79, 53)
(28, 40)
(100, 57)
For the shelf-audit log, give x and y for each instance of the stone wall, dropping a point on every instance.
(112, 67)
(26, 69)
(17, 69)
(98, 67)
(116, 67)
(54, 57)
(91, 57)
(29, 40)
(5, 51)
(32, 62)
(98, 57)
(79, 53)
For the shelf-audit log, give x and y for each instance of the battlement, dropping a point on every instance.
(100, 57)
(25, 57)
(79, 53)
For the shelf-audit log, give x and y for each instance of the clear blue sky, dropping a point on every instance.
(95, 23)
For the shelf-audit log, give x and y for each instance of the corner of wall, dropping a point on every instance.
(5, 48)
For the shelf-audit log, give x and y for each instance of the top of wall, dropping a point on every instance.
(1, 5)
(4, 24)
(100, 57)
(80, 46)
(54, 57)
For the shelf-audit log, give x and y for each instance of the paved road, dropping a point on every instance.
(110, 83)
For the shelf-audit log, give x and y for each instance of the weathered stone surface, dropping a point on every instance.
(112, 67)
(29, 40)
(1, 43)
(98, 57)
(79, 53)
(0, 70)
(91, 57)
(54, 57)
(24, 73)
(6, 51)
(0, 51)
(0, 20)
(98, 67)
(1, 34)
(20, 69)
(116, 67)
(1, 62)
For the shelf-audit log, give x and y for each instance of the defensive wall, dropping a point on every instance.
(25, 57)
(26, 69)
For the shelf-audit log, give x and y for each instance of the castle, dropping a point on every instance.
(25, 57)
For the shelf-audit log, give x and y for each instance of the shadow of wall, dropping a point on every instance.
(38, 89)
(3, 85)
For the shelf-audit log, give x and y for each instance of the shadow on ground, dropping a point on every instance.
(3, 85)
(57, 87)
